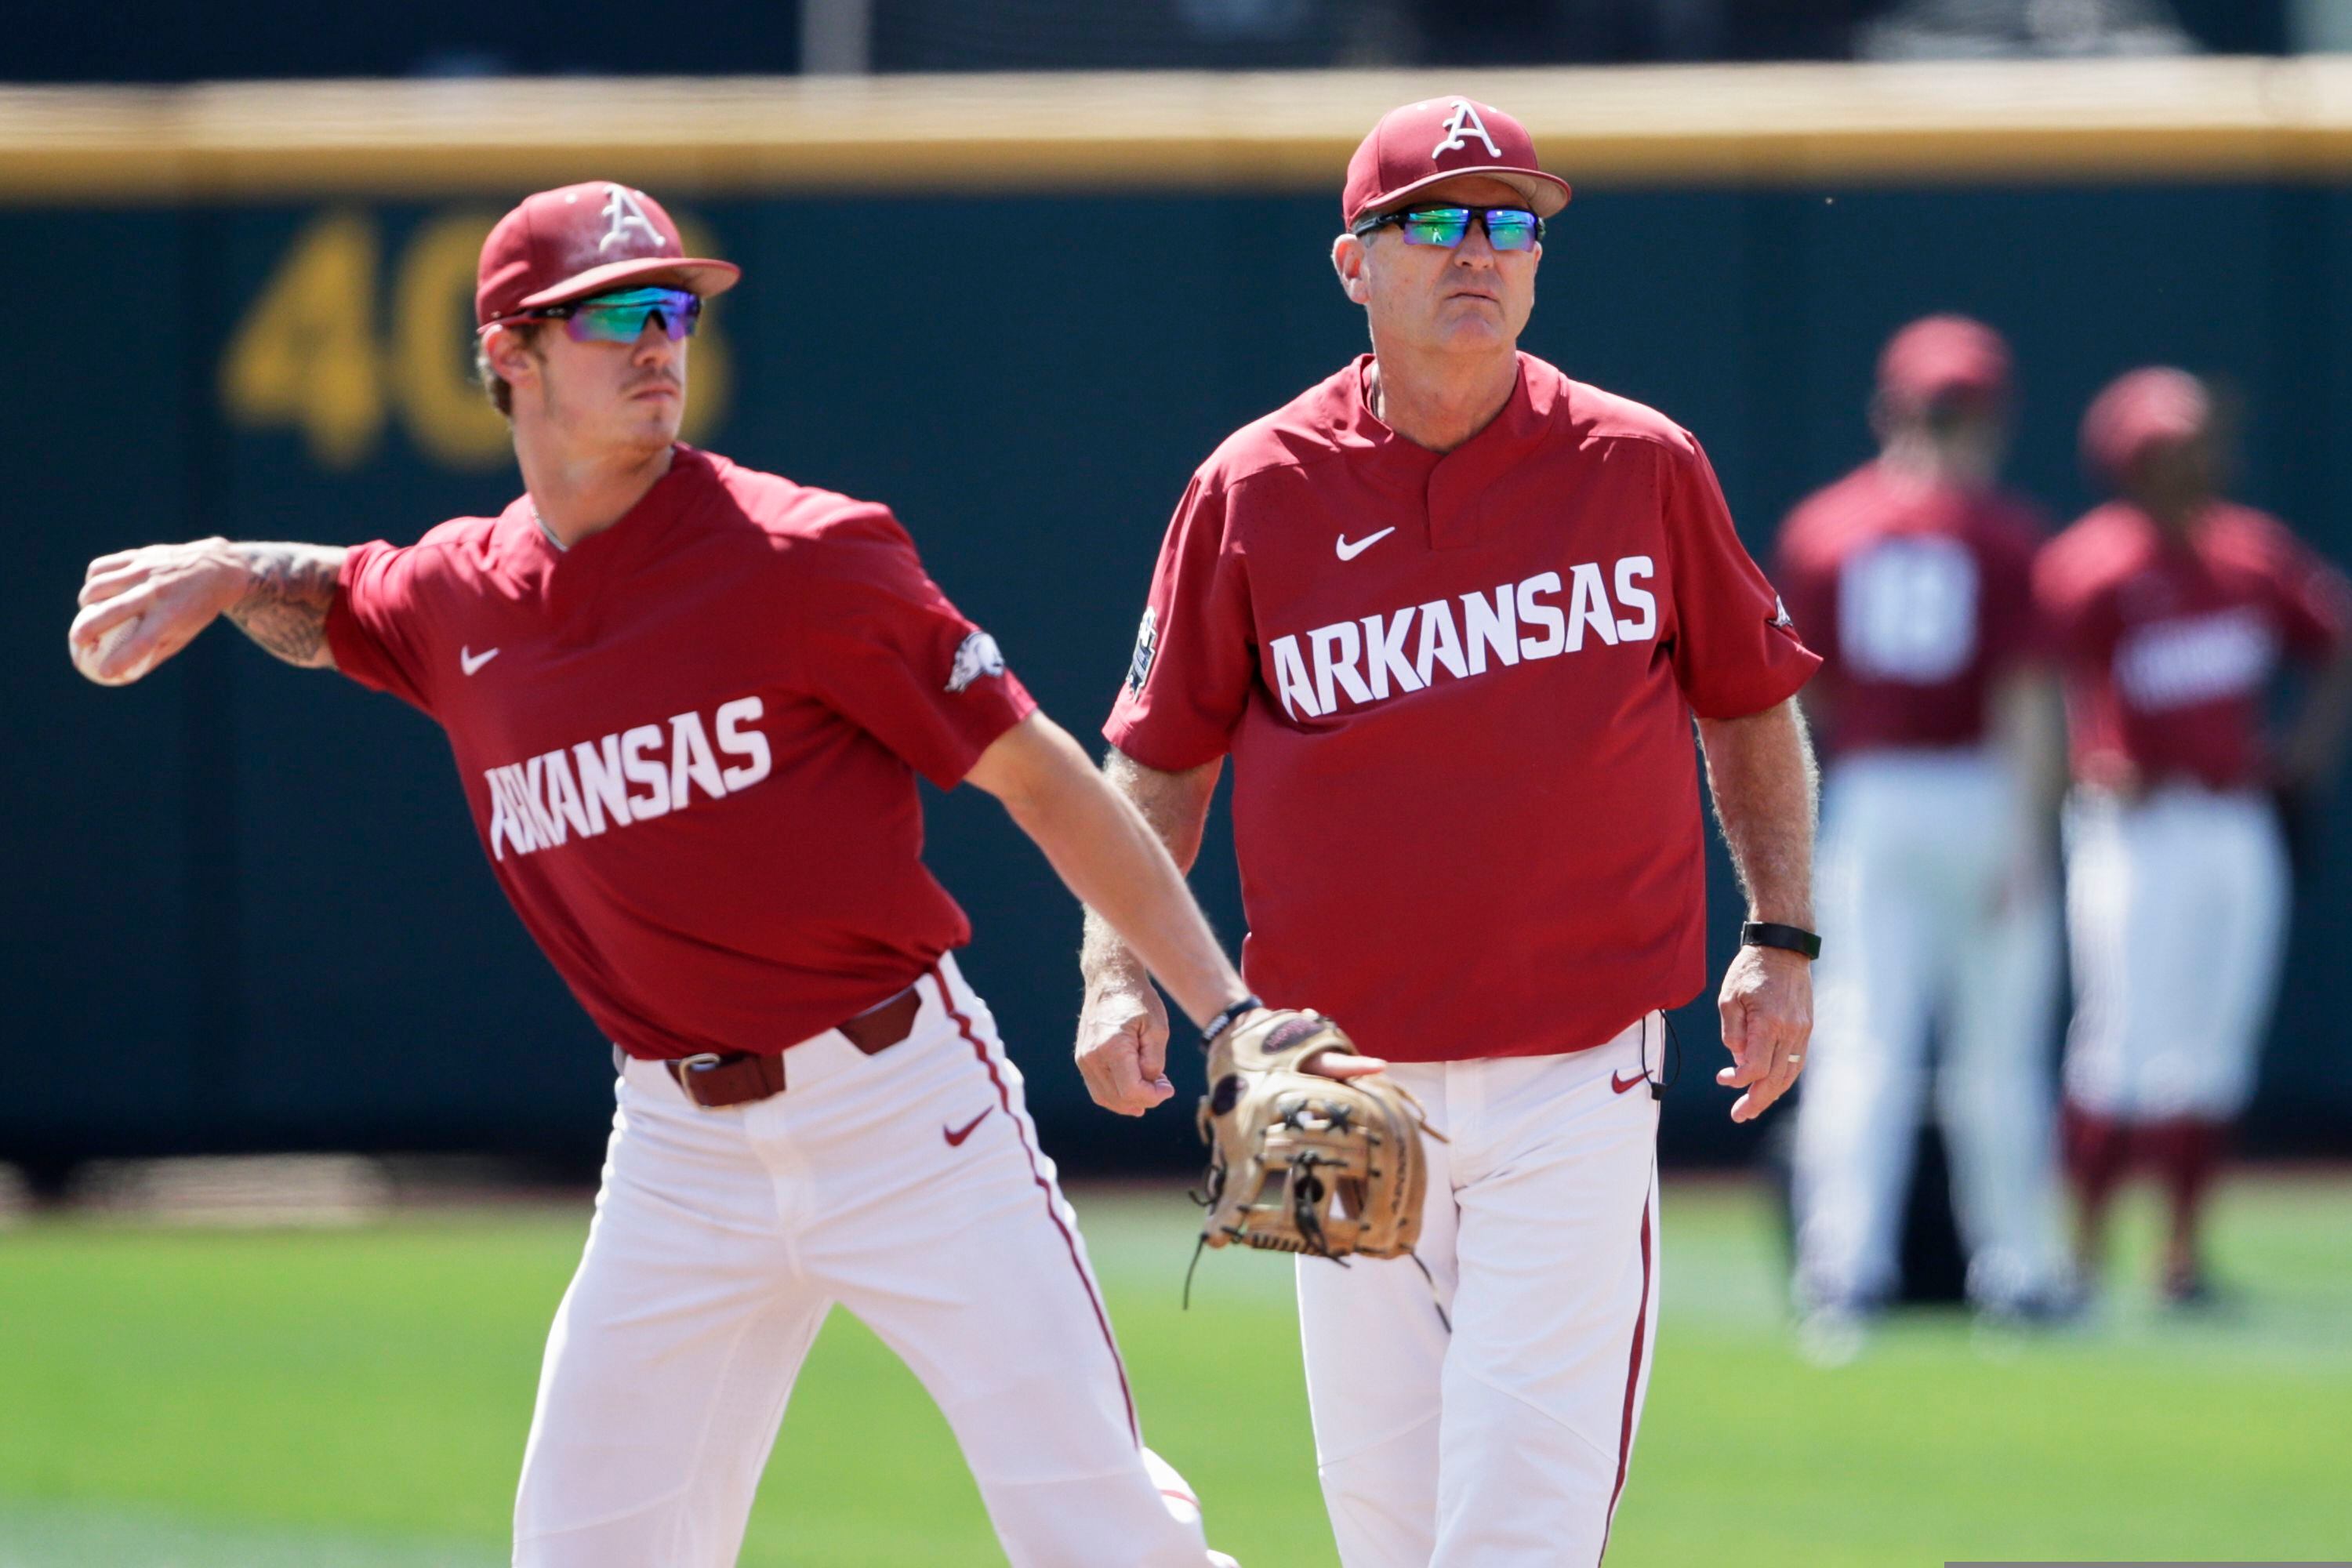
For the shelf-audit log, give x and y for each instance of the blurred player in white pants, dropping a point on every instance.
(2172, 606)
(1912, 577)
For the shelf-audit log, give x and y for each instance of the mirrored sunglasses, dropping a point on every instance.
(620, 317)
(1508, 228)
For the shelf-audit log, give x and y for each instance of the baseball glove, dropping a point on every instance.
(1301, 1163)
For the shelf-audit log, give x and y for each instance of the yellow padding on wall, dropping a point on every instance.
(2225, 119)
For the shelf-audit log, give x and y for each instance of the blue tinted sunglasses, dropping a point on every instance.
(1508, 228)
(621, 318)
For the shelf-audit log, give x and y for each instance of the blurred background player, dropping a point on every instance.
(1912, 577)
(2172, 606)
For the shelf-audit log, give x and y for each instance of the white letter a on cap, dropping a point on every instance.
(623, 213)
(1460, 126)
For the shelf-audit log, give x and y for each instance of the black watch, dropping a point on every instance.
(1226, 1019)
(1789, 939)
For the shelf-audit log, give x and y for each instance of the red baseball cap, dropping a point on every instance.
(577, 240)
(1944, 356)
(2139, 411)
(1416, 146)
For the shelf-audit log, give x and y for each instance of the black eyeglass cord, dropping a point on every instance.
(1671, 1067)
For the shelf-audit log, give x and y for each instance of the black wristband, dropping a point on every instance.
(1225, 1020)
(1789, 939)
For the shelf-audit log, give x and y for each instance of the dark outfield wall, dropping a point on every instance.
(244, 903)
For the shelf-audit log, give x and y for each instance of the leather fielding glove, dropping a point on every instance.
(1301, 1163)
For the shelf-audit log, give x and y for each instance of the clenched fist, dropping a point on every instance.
(1122, 1049)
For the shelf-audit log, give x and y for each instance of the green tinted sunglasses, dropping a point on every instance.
(1508, 228)
(621, 318)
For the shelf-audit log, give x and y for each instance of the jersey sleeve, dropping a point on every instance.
(2313, 601)
(882, 646)
(1735, 649)
(1806, 576)
(1195, 658)
(2075, 615)
(2016, 632)
(375, 625)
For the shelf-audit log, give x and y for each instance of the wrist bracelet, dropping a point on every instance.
(1788, 939)
(1225, 1020)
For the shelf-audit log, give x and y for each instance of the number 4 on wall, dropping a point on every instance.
(307, 353)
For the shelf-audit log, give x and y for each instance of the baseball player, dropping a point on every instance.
(2173, 606)
(1913, 578)
(1452, 614)
(688, 702)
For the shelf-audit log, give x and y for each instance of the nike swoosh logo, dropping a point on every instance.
(1350, 552)
(470, 661)
(956, 1135)
(1623, 1085)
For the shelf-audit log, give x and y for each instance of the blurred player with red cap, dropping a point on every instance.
(2173, 607)
(1452, 614)
(688, 702)
(1912, 577)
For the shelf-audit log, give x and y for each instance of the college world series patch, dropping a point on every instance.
(1147, 643)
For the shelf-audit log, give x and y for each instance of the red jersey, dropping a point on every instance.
(1457, 689)
(1918, 596)
(2169, 645)
(691, 742)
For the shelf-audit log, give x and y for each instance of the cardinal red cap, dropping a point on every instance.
(1416, 146)
(1938, 357)
(578, 240)
(2139, 411)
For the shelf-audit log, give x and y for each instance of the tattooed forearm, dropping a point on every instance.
(284, 607)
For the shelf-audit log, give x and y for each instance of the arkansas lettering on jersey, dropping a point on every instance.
(1457, 689)
(1354, 666)
(623, 777)
(2190, 659)
(691, 742)
(2168, 644)
(1918, 596)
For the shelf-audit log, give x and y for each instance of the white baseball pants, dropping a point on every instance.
(2177, 911)
(1924, 921)
(1504, 1443)
(720, 1239)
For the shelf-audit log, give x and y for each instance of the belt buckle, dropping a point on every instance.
(701, 1061)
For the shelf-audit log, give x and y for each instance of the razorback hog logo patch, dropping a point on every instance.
(976, 656)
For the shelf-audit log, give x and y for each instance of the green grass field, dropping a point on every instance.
(359, 1397)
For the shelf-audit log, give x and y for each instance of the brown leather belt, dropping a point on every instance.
(717, 1080)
